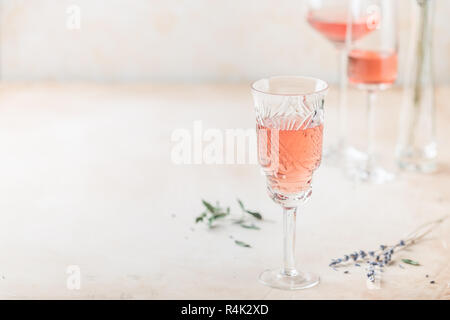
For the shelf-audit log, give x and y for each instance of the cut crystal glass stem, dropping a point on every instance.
(289, 217)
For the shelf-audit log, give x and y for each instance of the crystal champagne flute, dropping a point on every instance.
(289, 123)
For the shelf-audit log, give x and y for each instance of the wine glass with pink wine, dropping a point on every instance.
(372, 67)
(289, 124)
(331, 18)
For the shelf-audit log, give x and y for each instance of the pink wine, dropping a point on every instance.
(334, 26)
(372, 67)
(289, 157)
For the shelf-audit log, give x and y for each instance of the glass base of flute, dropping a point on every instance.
(288, 277)
(363, 165)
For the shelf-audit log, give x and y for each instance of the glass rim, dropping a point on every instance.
(325, 88)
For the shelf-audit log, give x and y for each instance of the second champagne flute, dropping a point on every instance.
(331, 18)
(372, 66)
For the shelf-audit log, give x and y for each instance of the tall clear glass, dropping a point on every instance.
(331, 18)
(289, 124)
(372, 67)
(417, 149)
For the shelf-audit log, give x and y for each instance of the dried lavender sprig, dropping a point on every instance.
(388, 250)
(383, 256)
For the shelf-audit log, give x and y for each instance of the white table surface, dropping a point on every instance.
(87, 180)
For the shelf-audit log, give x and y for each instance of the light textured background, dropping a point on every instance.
(178, 41)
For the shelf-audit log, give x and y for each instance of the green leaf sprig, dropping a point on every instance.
(212, 214)
(411, 262)
(242, 244)
(255, 214)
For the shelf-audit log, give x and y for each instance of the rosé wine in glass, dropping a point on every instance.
(372, 67)
(290, 157)
(333, 26)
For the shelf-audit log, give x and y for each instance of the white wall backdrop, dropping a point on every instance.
(177, 40)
